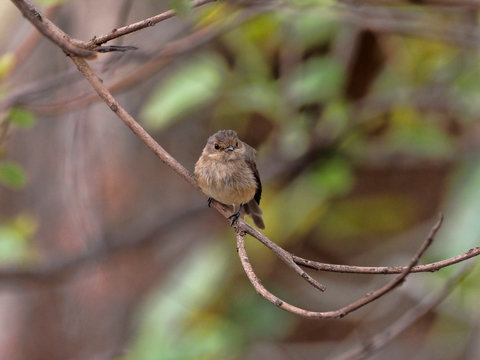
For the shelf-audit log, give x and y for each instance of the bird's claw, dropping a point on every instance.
(234, 217)
(209, 201)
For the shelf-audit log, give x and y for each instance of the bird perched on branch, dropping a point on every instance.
(226, 171)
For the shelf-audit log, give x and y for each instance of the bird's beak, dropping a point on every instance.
(229, 148)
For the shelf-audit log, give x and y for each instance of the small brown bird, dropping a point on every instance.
(226, 171)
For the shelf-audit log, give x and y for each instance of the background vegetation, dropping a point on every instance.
(365, 118)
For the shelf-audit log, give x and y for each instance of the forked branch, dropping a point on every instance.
(341, 312)
(71, 46)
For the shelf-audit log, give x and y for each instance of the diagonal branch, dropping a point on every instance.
(52, 31)
(136, 128)
(242, 228)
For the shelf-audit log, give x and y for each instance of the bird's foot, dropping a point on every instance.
(209, 201)
(234, 217)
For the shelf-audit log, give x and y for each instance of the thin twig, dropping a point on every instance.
(339, 313)
(151, 21)
(161, 59)
(381, 339)
(242, 228)
(383, 270)
(87, 49)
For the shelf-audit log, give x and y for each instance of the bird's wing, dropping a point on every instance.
(250, 159)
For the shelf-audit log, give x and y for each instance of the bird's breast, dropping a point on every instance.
(230, 182)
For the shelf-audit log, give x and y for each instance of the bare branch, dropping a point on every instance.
(242, 228)
(151, 21)
(161, 59)
(371, 296)
(82, 48)
(63, 269)
(381, 339)
(386, 269)
(51, 31)
(137, 129)
(453, 3)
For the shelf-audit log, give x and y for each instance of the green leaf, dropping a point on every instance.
(51, 2)
(12, 175)
(6, 63)
(316, 80)
(312, 30)
(181, 7)
(462, 228)
(22, 118)
(414, 133)
(165, 328)
(259, 97)
(15, 236)
(334, 177)
(194, 85)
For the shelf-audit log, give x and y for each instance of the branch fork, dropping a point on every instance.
(79, 51)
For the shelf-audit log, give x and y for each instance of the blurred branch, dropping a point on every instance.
(241, 227)
(381, 339)
(339, 313)
(161, 59)
(27, 46)
(455, 3)
(133, 237)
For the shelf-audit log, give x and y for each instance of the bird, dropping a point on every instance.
(226, 171)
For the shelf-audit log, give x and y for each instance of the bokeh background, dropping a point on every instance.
(365, 118)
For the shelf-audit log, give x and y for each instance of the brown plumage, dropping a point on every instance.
(226, 171)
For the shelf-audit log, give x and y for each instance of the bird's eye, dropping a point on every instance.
(217, 146)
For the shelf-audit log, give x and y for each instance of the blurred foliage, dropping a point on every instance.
(193, 85)
(285, 68)
(181, 7)
(51, 2)
(22, 118)
(7, 62)
(167, 328)
(12, 175)
(283, 78)
(175, 322)
(15, 237)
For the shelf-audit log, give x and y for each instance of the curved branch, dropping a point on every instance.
(242, 228)
(339, 313)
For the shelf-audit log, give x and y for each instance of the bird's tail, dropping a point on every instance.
(252, 209)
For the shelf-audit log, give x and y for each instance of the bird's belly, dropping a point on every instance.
(230, 188)
(233, 195)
